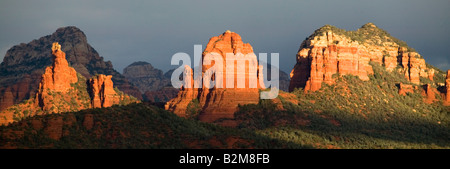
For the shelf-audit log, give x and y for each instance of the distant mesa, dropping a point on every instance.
(145, 77)
(150, 81)
(332, 51)
(62, 89)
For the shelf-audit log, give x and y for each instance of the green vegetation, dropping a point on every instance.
(348, 114)
(137, 126)
(80, 88)
(368, 33)
(77, 98)
(354, 114)
(193, 109)
(125, 99)
(439, 75)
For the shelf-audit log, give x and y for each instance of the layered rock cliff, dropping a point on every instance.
(332, 51)
(102, 91)
(154, 85)
(62, 89)
(23, 65)
(217, 103)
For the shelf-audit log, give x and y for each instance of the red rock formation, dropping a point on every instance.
(431, 74)
(326, 53)
(24, 64)
(88, 121)
(413, 67)
(447, 87)
(19, 91)
(36, 124)
(7, 99)
(102, 91)
(404, 88)
(321, 57)
(54, 128)
(429, 93)
(57, 78)
(162, 95)
(217, 103)
(178, 105)
(59, 91)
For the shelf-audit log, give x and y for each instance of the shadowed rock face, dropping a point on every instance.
(331, 50)
(284, 78)
(162, 95)
(23, 65)
(145, 77)
(217, 103)
(155, 86)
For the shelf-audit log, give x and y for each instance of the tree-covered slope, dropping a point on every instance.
(131, 126)
(355, 114)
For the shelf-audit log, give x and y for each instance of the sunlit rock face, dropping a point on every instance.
(333, 51)
(221, 102)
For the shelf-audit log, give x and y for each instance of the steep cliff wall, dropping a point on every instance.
(332, 51)
(217, 103)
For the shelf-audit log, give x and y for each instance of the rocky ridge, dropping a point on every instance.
(23, 65)
(145, 77)
(152, 83)
(62, 89)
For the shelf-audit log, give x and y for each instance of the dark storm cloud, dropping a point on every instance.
(153, 31)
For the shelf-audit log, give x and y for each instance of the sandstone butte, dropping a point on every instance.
(102, 91)
(218, 103)
(329, 51)
(57, 78)
(57, 92)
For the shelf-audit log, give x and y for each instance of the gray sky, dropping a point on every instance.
(152, 31)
